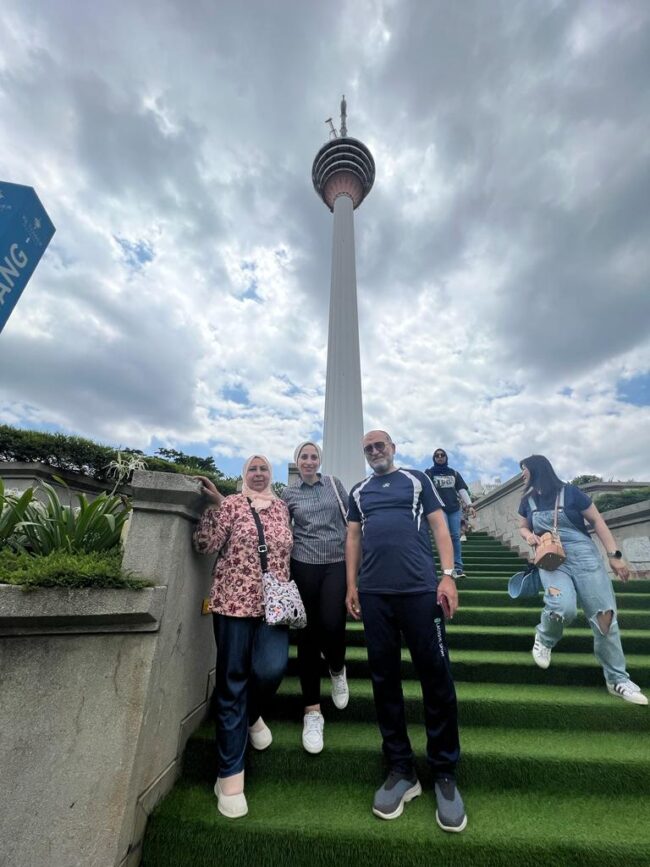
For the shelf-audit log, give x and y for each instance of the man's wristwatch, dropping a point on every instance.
(614, 555)
(448, 572)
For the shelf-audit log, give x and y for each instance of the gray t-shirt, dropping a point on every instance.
(317, 520)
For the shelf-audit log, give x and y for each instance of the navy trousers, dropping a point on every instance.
(419, 618)
(251, 661)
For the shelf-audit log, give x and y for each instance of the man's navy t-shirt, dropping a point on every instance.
(396, 541)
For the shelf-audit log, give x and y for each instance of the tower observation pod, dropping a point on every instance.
(343, 174)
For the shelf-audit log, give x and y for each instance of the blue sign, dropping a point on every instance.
(25, 232)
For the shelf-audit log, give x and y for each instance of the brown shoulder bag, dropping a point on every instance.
(549, 553)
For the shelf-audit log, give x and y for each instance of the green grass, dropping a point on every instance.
(61, 569)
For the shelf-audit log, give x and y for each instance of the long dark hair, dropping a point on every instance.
(543, 477)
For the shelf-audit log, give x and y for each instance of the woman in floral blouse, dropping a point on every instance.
(251, 656)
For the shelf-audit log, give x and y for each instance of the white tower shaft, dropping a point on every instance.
(343, 429)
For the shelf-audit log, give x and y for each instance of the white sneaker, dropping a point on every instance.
(628, 691)
(312, 732)
(541, 653)
(261, 738)
(340, 691)
(231, 806)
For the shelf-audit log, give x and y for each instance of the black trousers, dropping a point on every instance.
(419, 618)
(322, 588)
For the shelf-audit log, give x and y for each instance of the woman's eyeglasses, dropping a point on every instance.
(440, 455)
(375, 447)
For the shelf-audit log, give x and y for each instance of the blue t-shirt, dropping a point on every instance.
(575, 503)
(392, 509)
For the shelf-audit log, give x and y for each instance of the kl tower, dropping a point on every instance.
(343, 174)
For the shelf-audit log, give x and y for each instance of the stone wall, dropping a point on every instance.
(100, 691)
(20, 476)
(497, 514)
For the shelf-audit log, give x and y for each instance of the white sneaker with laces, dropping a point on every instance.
(541, 653)
(312, 732)
(628, 691)
(340, 691)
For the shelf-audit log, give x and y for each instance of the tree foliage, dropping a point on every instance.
(617, 499)
(79, 455)
(585, 480)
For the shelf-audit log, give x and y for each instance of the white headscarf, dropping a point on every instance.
(296, 454)
(260, 499)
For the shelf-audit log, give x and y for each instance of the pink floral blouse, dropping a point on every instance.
(237, 576)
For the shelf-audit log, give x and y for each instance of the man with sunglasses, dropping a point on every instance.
(391, 516)
(452, 488)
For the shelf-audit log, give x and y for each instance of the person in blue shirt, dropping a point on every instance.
(452, 489)
(582, 578)
(391, 517)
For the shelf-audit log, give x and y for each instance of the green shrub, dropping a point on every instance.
(51, 526)
(79, 455)
(616, 500)
(13, 509)
(585, 479)
(63, 569)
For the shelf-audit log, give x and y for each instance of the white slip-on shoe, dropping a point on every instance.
(312, 732)
(231, 806)
(261, 738)
(628, 691)
(340, 690)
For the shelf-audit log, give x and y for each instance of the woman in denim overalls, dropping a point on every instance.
(582, 578)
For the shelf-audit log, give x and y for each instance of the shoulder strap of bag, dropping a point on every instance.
(559, 496)
(338, 497)
(261, 548)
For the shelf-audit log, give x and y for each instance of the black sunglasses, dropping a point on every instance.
(375, 447)
(440, 455)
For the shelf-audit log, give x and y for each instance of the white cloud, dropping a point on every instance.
(502, 255)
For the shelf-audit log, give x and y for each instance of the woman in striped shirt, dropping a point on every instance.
(319, 525)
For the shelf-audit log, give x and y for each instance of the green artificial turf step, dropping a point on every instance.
(496, 666)
(495, 597)
(529, 616)
(577, 638)
(549, 761)
(530, 706)
(312, 823)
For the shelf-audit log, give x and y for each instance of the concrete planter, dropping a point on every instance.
(100, 690)
(78, 611)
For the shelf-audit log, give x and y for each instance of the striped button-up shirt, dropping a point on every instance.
(318, 525)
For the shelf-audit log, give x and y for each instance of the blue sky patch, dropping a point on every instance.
(237, 394)
(635, 390)
(136, 253)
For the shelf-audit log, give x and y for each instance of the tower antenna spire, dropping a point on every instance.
(344, 117)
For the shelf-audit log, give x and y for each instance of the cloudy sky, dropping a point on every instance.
(502, 256)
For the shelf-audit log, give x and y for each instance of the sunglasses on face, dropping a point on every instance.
(440, 455)
(375, 447)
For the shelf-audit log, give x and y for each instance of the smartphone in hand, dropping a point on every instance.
(443, 602)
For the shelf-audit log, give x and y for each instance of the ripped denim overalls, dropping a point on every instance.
(582, 579)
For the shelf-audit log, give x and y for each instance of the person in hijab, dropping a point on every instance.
(318, 518)
(251, 655)
(452, 489)
(582, 578)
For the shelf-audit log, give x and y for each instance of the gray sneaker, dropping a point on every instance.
(398, 788)
(450, 814)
